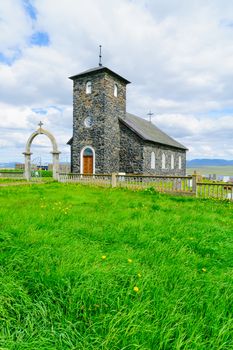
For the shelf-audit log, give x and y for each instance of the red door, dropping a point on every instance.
(87, 164)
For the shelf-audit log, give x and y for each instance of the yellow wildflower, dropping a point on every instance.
(136, 289)
(139, 275)
(204, 269)
(130, 260)
(104, 257)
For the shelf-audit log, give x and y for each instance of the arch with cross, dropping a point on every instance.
(28, 153)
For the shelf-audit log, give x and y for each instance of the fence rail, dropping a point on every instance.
(11, 175)
(160, 183)
(104, 180)
(215, 190)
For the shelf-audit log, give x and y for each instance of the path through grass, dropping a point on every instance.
(92, 268)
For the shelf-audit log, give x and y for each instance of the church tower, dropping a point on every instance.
(99, 99)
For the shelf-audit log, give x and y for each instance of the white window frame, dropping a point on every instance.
(81, 158)
(180, 162)
(115, 91)
(88, 87)
(172, 162)
(163, 161)
(152, 160)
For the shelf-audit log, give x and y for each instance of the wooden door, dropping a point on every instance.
(87, 164)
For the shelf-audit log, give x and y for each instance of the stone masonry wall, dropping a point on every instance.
(168, 151)
(131, 152)
(104, 108)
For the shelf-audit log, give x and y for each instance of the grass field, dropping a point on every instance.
(218, 170)
(99, 269)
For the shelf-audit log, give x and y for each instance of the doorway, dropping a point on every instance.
(88, 161)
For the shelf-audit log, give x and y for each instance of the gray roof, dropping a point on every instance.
(148, 131)
(99, 69)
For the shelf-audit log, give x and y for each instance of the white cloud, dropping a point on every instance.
(15, 26)
(178, 55)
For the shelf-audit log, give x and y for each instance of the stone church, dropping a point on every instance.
(106, 139)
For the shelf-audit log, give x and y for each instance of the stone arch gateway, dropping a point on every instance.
(28, 153)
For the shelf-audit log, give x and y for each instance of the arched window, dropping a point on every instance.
(88, 87)
(163, 161)
(180, 162)
(88, 152)
(172, 161)
(152, 160)
(115, 90)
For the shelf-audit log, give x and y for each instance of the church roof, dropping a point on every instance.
(99, 69)
(148, 131)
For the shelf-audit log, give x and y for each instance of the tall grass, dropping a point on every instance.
(90, 268)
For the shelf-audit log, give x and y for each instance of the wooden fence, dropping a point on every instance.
(187, 185)
(11, 175)
(214, 190)
(184, 184)
(104, 180)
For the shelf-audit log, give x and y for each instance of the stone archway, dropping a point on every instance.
(28, 153)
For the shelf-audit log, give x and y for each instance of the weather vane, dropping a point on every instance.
(100, 57)
(150, 115)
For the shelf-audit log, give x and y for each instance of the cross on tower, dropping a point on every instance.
(100, 56)
(150, 115)
(40, 124)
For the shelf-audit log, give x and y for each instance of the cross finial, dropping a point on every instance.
(40, 124)
(100, 56)
(150, 115)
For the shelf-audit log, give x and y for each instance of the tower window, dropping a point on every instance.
(88, 87)
(115, 90)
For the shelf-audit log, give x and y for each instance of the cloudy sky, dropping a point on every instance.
(178, 54)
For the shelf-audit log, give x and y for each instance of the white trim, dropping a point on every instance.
(115, 92)
(81, 158)
(180, 163)
(88, 87)
(163, 161)
(152, 160)
(172, 162)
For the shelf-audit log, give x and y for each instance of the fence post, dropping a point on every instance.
(114, 183)
(194, 182)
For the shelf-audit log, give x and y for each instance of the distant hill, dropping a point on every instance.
(7, 165)
(194, 163)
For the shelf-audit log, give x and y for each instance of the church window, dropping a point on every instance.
(172, 161)
(163, 161)
(180, 163)
(115, 90)
(152, 162)
(88, 87)
(87, 152)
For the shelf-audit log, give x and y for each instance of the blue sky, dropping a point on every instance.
(177, 54)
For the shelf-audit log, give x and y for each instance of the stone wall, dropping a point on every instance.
(168, 151)
(135, 156)
(104, 108)
(131, 151)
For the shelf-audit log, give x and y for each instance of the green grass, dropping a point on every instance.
(9, 180)
(218, 170)
(11, 171)
(57, 292)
